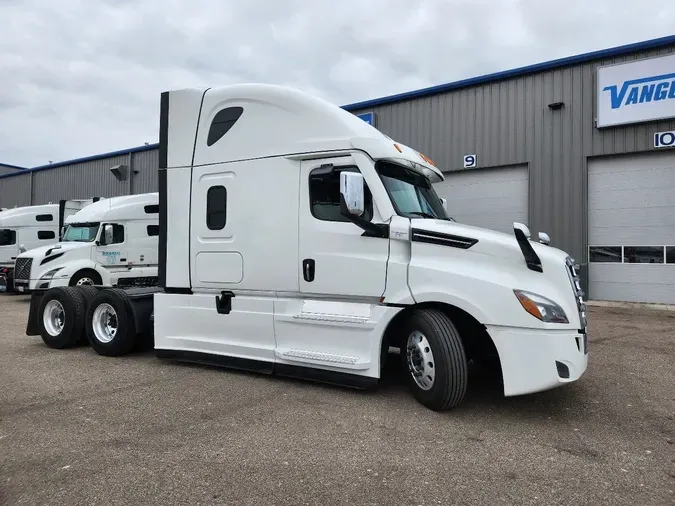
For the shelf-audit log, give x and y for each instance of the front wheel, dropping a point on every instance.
(435, 363)
(85, 277)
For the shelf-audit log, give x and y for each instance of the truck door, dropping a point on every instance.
(335, 257)
(111, 249)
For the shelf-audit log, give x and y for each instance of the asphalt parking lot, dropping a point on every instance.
(77, 428)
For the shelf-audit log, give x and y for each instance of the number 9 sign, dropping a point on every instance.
(469, 161)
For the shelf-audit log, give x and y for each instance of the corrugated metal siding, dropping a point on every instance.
(147, 163)
(15, 191)
(509, 122)
(82, 180)
(8, 170)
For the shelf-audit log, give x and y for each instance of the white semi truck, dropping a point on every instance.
(296, 239)
(27, 227)
(113, 242)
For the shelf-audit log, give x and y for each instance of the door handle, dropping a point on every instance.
(308, 269)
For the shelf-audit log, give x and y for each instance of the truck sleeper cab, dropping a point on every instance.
(357, 255)
(28, 227)
(113, 242)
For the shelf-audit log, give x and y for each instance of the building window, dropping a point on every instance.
(216, 208)
(670, 254)
(43, 235)
(605, 254)
(44, 217)
(632, 254)
(153, 230)
(324, 194)
(222, 123)
(152, 209)
(643, 254)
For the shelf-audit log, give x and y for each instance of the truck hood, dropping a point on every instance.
(490, 242)
(54, 249)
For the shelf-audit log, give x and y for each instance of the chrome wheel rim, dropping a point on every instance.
(104, 323)
(420, 360)
(54, 318)
(85, 281)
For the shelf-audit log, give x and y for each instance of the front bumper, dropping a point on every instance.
(537, 360)
(33, 285)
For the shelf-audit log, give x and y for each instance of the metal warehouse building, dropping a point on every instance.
(582, 148)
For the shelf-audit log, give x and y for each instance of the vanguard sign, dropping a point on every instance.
(638, 91)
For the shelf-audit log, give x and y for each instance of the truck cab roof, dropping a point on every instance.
(247, 121)
(126, 207)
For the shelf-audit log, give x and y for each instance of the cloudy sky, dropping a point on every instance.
(80, 77)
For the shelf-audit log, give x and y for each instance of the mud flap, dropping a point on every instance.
(32, 327)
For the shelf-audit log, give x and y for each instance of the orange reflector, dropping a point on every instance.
(398, 148)
(528, 305)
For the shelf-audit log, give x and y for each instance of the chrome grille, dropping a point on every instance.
(22, 268)
(578, 292)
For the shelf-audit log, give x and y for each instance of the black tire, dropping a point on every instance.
(125, 337)
(73, 308)
(449, 360)
(85, 277)
(88, 293)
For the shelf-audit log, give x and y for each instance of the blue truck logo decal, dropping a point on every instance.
(642, 90)
(111, 256)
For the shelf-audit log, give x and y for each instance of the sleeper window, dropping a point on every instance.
(222, 122)
(216, 208)
(44, 217)
(153, 230)
(46, 234)
(324, 194)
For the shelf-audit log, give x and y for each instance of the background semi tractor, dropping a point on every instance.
(296, 239)
(27, 227)
(111, 242)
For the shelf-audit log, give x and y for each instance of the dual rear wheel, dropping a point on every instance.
(77, 315)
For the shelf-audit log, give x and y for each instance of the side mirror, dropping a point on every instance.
(22, 249)
(544, 238)
(444, 203)
(351, 189)
(107, 234)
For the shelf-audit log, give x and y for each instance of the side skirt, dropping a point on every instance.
(290, 371)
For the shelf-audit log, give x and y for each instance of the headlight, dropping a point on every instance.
(541, 308)
(49, 274)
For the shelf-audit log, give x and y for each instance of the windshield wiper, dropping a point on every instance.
(424, 215)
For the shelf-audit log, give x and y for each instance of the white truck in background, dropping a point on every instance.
(27, 227)
(113, 242)
(296, 239)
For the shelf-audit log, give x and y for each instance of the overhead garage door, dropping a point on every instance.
(488, 198)
(631, 228)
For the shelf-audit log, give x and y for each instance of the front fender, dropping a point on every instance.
(483, 286)
(70, 268)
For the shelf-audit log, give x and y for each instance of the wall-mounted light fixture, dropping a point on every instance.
(554, 106)
(120, 172)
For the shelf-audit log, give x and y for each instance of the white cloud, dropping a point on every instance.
(78, 77)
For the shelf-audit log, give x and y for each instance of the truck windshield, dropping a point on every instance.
(412, 194)
(81, 232)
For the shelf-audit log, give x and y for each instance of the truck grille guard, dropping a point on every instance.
(22, 268)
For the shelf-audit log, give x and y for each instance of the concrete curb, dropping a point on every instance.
(630, 305)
